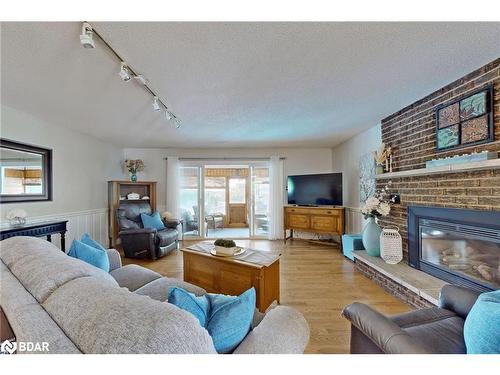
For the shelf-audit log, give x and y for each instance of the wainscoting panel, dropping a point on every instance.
(94, 222)
(354, 220)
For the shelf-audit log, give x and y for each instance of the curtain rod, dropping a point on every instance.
(232, 159)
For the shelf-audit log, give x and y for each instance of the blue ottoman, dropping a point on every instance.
(351, 242)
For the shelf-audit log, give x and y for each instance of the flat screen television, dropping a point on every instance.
(315, 189)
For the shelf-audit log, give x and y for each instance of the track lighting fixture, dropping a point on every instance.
(124, 74)
(156, 104)
(87, 38)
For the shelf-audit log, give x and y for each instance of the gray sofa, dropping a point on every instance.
(48, 296)
(434, 330)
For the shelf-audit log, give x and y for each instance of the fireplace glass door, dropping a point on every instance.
(469, 252)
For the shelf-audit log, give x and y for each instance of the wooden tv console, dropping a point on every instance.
(319, 220)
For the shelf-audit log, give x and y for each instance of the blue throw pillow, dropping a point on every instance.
(482, 325)
(153, 221)
(226, 318)
(91, 255)
(198, 306)
(87, 240)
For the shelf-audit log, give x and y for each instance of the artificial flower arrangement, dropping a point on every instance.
(379, 204)
(383, 156)
(16, 216)
(134, 166)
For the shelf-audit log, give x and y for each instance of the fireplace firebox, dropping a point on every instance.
(459, 246)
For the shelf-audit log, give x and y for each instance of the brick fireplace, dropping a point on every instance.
(411, 133)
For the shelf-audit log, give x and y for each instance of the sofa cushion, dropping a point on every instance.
(100, 319)
(41, 267)
(29, 321)
(152, 221)
(158, 289)
(482, 325)
(89, 254)
(166, 237)
(133, 276)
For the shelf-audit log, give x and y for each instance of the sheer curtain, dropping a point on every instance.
(173, 185)
(276, 181)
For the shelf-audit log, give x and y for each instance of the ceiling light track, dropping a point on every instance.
(126, 72)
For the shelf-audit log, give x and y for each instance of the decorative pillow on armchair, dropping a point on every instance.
(228, 319)
(154, 221)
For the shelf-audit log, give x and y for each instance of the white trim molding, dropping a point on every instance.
(354, 221)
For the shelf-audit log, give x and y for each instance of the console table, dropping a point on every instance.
(319, 220)
(46, 229)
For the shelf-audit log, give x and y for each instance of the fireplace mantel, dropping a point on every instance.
(452, 168)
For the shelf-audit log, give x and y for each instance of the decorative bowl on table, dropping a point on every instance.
(226, 248)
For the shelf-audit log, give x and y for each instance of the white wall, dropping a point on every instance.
(298, 161)
(82, 165)
(346, 159)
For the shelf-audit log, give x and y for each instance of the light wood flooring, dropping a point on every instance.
(315, 279)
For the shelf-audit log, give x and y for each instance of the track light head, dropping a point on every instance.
(156, 104)
(141, 79)
(87, 36)
(177, 122)
(124, 74)
(168, 115)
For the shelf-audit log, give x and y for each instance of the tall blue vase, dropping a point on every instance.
(371, 237)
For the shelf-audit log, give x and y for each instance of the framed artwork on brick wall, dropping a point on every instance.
(465, 122)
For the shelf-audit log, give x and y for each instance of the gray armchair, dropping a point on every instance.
(431, 330)
(140, 242)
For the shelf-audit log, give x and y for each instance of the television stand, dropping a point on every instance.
(318, 220)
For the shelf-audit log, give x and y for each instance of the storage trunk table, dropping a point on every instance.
(234, 275)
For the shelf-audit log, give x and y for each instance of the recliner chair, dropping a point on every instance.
(426, 331)
(140, 242)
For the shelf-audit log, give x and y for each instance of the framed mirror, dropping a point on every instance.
(25, 172)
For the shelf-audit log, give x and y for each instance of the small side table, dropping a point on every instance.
(351, 242)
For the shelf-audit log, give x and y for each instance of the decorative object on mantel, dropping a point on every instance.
(391, 246)
(465, 122)
(367, 182)
(376, 206)
(465, 158)
(381, 157)
(17, 217)
(134, 166)
(133, 196)
(145, 198)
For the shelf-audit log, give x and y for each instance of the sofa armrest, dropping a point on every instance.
(282, 331)
(383, 332)
(457, 299)
(130, 232)
(115, 260)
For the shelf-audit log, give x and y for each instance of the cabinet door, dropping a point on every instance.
(324, 223)
(298, 221)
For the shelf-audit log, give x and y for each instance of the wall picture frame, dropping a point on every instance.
(466, 121)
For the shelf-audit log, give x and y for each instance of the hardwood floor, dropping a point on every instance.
(316, 280)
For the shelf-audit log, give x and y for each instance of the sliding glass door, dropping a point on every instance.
(189, 201)
(260, 201)
(221, 200)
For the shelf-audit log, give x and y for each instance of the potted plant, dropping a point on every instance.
(134, 166)
(226, 247)
(374, 207)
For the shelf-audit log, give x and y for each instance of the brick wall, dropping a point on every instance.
(411, 134)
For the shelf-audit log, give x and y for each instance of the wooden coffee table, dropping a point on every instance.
(226, 275)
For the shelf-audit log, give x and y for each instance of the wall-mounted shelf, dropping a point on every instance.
(451, 168)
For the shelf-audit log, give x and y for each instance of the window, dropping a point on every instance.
(237, 191)
(215, 195)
